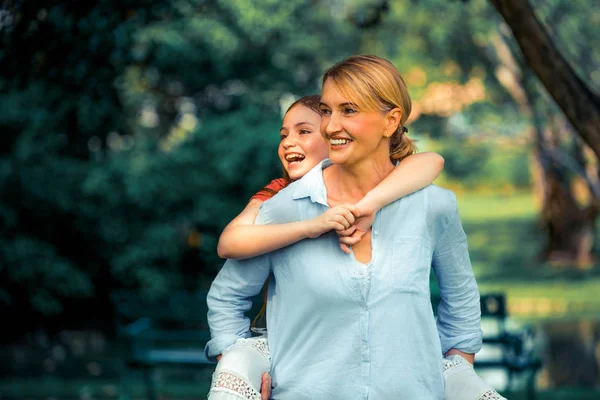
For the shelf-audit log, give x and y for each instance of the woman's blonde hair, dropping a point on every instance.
(374, 84)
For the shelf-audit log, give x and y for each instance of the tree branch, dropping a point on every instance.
(580, 105)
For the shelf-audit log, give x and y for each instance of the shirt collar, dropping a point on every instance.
(312, 184)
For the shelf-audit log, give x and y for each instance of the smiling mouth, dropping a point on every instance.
(294, 158)
(339, 142)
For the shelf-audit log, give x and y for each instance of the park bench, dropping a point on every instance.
(170, 331)
(166, 332)
(510, 350)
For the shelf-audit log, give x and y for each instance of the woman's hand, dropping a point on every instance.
(265, 387)
(338, 218)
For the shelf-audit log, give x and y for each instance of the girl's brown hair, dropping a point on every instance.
(374, 84)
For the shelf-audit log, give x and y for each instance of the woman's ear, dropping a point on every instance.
(392, 121)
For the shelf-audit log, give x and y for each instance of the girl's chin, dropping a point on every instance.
(295, 175)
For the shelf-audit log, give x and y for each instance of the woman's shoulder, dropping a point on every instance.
(440, 201)
(280, 208)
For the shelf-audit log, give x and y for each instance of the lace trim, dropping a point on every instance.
(230, 383)
(453, 363)
(262, 346)
(491, 395)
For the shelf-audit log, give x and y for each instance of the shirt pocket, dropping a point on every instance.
(411, 264)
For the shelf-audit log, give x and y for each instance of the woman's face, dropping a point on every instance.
(353, 134)
(302, 145)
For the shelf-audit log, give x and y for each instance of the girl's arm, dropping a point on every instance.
(411, 174)
(241, 239)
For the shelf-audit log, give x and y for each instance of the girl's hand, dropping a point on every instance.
(363, 220)
(338, 218)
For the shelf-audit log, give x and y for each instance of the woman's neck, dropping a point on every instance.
(352, 183)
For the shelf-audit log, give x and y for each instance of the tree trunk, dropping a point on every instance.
(573, 96)
(569, 225)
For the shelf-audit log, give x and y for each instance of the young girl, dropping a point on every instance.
(302, 147)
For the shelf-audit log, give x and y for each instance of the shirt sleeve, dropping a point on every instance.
(459, 312)
(271, 189)
(230, 297)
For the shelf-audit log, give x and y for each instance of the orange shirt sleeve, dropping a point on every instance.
(271, 189)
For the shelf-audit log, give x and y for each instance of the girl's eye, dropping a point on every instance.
(304, 131)
(282, 137)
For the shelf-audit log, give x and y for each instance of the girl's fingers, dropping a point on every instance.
(345, 212)
(352, 208)
(337, 226)
(352, 239)
(349, 240)
(347, 232)
(345, 248)
(340, 219)
(348, 215)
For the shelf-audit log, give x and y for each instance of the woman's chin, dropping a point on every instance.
(337, 159)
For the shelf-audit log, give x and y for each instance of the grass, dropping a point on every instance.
(505, 243)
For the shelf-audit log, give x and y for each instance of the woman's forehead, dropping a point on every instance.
(335, 93)
(341, 94)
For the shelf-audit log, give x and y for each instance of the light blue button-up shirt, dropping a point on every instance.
(339, 329)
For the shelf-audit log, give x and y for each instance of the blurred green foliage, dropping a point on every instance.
(134, 131)
(486, 163)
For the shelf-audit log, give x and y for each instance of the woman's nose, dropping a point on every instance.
(330, 124)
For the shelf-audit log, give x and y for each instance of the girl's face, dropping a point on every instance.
(302, 145)
(352, 134)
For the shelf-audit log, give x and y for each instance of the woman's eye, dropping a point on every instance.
(325, 112)
(349, 110)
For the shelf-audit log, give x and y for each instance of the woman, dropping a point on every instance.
(358, 325)
(301, 148)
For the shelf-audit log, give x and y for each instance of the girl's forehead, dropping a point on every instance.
(300, 113)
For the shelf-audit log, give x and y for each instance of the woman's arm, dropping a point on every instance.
(412, 173)
(459, 312)
(241, 239)
(230, 297)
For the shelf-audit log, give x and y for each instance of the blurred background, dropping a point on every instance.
(132, 132)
